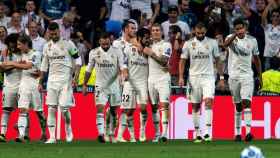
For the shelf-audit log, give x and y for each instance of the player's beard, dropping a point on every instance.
(200, 38)
(106, 49)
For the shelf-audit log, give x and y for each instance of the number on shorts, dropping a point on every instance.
(125, 98)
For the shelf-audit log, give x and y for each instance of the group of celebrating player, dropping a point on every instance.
(130, 71)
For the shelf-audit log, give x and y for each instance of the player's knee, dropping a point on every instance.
(113, 111)
(209, 102)
(143, 108)
(246, 103)
(238, 107)
(129, 112)
(23, 110)
(99, 108)
(196, 107)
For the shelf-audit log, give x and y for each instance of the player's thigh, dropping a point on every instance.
(115, 98)
(65, 98)
(24, 100)
(235, 87)
(128, 97)
(37, 102)
(52, 96)
(163, 89)
(247, 88)
(208, 87)
(9, 97)
(101, 96)
(142, 95)
(153, 93)
(195, 90)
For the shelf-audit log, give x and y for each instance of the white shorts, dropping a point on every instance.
(31, 98)
(241, 89)
(60, 95)
(132, 96)
(159, 90)
(110, 95)
(201, 88)
(9, 97)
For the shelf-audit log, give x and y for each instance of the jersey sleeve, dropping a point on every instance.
(35, 60)
(185, 51)
(45, 60)
(167, 50)
(91, 61)
(123, 59)
(255, 48)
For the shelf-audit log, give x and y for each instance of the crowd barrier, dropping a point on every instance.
(265, 124)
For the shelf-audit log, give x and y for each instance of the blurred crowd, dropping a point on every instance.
(82, 21)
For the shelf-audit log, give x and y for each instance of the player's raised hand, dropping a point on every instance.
(181, 82)
(84, 89)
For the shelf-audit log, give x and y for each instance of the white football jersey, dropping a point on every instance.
(272, 40)
(57, 58)
(106, 64)
(240, 56)
(201, 55)
(137, 65)
(120, 10)
(121, 43)
(183, 26)
(160, 48)
(35, 58)
(12, 77)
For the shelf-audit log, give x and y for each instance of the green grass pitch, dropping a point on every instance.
(172, 149)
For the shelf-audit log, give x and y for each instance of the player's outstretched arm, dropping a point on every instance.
(20, 65)
(162, 60)
(258, 65)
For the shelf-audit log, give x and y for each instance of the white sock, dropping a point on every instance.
(164, 121)
(196, 120)
(156, 119)
(4, 121)
(238, 116)
(100, 123)
(143, 123)
(130, 124)
(112, 125)
(208, 112)
(122, 124)
(51, 121)
(248, 119)
(22, 123)
(67, 118)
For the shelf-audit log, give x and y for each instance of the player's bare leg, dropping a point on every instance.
(208, 111)
(143, 120)
(68, 127)
(238, 117)
(4, 122)
(164, 120)
(248, 119)
(100, 123)
(51, 123)
(42, 121)
(156, 119)
(130, 124)
(196, 121)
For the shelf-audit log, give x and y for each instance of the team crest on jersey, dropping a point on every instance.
(248, 46)
(207, 47)
(98, 54)
(193, 45)
(33, 58)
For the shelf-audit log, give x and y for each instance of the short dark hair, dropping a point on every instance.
(25, 39)
(200, 25)
(104, 35)
(239, 21)
(175, 29)
(142, 32)
(12, 38)
(173, 8)
(4, 29)
(53, 26)
(276, 10)
(126, 23)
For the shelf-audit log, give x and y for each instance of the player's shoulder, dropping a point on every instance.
(118, 42)
(212, 40)
(250, 37)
